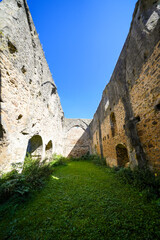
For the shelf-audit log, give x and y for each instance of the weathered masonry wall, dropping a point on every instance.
(76, 137)
(32, 119)
(126, 127)
(145, 98)
(31, 114)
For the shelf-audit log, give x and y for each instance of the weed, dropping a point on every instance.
(143, 179)
(95, 158)
(57, 160)
(32, 177)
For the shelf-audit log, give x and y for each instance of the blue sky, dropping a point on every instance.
(82, 40)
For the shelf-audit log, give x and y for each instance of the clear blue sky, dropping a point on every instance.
(82, 40)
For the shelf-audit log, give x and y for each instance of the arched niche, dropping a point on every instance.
(35, 147)
(122, 155)
(71, 123)
(49, 149)
(75, 132)
(76, 127)
(113, 124)
(76, 140)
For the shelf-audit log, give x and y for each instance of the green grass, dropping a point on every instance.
(82, 201)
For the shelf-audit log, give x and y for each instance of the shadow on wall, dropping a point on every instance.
(35, 146)
(1, 127)
(122, 155)
(82, 146)
(49, 150)
(113, 124)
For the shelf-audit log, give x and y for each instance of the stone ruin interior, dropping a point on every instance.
(125, 129)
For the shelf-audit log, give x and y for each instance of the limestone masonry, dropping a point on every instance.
(125, 129)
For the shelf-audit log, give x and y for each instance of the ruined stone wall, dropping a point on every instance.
(125, 127)
(145, 98)
(76, 137)
(30, 105)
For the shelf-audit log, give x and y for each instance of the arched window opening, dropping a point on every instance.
(48, 150)
(35, 146)
(122, 155)
(113, 124)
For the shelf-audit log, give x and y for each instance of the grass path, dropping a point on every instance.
(82, 201)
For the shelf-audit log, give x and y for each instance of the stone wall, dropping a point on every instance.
(125, 127)
(76, 137)
(30, 106)
(145, 98)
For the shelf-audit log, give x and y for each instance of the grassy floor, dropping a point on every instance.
(82, 201)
